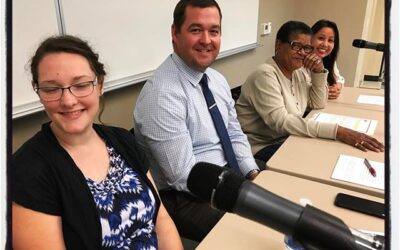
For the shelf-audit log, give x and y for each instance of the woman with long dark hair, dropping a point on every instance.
(325, 40)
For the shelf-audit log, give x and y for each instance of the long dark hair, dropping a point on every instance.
(329, 61)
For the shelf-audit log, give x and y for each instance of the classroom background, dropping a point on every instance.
(364, 19)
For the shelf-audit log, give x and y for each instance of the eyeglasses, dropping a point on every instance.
(296, 46)
(81, 89)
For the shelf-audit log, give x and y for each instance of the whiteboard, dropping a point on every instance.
(132, 37)
(32, 22)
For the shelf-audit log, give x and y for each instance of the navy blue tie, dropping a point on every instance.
(219, 126)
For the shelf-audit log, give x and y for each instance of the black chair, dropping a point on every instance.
(236, 93)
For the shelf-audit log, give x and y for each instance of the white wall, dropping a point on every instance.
(237, 68)
(368, 62)
(375, 32)
(349, 17)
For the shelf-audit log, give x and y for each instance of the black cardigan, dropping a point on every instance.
(46, 179)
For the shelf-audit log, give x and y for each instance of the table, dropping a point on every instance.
(315, 158)
(349, 96)
(234, 233)
(353, 111)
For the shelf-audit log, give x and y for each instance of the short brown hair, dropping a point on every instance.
(180, 8)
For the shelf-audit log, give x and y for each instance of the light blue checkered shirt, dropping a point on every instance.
(173, 124)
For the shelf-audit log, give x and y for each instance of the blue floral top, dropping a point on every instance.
(126, 207)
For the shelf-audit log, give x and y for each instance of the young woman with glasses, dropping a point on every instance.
(77, 184)
(275, 96)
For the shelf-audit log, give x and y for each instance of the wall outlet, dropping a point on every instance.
(266, 28)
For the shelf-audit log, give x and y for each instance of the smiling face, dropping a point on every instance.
(323, 41)
(289, 59)
(199, 38)
(70, 114)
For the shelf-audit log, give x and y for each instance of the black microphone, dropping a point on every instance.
(359, 43)
(313, 228)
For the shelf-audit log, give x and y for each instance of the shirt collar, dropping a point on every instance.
(193, 76)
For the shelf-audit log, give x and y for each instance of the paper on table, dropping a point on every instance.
(352, 169)
(371, 99)
(366, 126)
(371, 232)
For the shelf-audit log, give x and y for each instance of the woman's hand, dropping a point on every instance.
(313, 63)
(334, 90)
(359, 140)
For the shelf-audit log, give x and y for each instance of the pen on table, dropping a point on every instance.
(370, 168)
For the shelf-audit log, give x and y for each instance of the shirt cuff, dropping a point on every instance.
(319, 78)
(327, 130)
(247, 165)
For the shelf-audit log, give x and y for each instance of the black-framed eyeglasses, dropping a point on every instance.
(81, 89)
(296, 46)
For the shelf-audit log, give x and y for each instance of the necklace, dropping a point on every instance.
(289, 79)
(295, 99)
(292, 91)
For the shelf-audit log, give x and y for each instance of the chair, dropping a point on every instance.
(236, 92)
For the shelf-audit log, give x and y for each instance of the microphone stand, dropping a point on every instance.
(381, 69)
(375, 82)
(331, 233)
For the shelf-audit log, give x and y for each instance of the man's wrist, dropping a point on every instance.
(252, 174)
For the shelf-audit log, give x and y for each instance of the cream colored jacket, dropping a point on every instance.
(270, 106)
